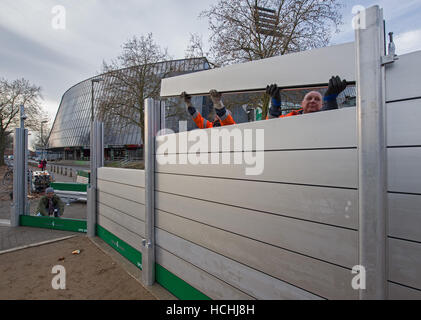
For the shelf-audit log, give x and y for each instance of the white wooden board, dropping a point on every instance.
(300, 236)
(333, 168)
(123, 191)
(286, 71)
(403, 77)
(123, 176)
(338, 247)
(398, 292)
(248, 280)
(134, 209)
(326, 205)
(404, 170)
(127, 236)
(202, 281)
(405, 216)
(328, 129)
(128, 222)
(405, 263)
(403, 123)
(324, 279)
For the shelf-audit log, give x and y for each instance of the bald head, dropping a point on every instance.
(312, 102)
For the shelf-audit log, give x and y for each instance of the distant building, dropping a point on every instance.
(69, 136)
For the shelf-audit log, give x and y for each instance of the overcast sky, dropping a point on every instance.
(56, 59)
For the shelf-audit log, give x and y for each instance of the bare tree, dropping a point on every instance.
(247, 30)
(12, 96)
(131, 78)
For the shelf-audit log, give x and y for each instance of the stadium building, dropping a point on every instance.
(69, 136)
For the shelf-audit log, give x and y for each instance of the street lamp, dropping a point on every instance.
(92, 92)
(42, 139)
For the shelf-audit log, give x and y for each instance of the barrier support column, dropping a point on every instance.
(20, 182)
(152, 121)
(20, 172)
(97, 161)
(372, 153)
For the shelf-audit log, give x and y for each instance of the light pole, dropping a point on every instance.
(92, 189)
(42, 139)
(92, 99)
(97, 80)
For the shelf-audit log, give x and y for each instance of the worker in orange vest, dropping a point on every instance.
(223, 116)
(312, 102)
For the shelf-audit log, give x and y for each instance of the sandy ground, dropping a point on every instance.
(27, 274)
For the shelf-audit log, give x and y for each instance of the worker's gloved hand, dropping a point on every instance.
(187, 100)
(275, 93)
(216, 99)
(336, 86)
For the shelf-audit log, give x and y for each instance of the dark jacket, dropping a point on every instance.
(43, 205)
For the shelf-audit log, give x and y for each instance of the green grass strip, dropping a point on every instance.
(54, 223)
(78, 187)
(178, 287)
(120, 246)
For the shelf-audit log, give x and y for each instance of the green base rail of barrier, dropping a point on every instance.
(54, 223)
(69, 186)
(178, 287)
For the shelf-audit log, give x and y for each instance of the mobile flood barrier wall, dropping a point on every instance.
(296, 229)
(291, 232)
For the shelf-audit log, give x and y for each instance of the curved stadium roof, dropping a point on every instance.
(71, 127)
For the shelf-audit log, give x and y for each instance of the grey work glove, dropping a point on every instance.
(216, 99)
(336, 86)
(187, 100)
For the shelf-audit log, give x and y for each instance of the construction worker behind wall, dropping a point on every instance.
(223, 116)
(312, 102)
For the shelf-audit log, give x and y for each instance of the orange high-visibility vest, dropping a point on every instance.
(202, 123)
(293, 113)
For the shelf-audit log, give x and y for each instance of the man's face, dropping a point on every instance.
(50, 195)
(312, 102)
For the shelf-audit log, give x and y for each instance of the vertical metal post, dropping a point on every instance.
(26, 173)
(97, 161)
(152, 111)
(91, 191)
(372, 154)
(162, 115)
(20, 182)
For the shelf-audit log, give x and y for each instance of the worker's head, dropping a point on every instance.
(49, 192)
(312, 102)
